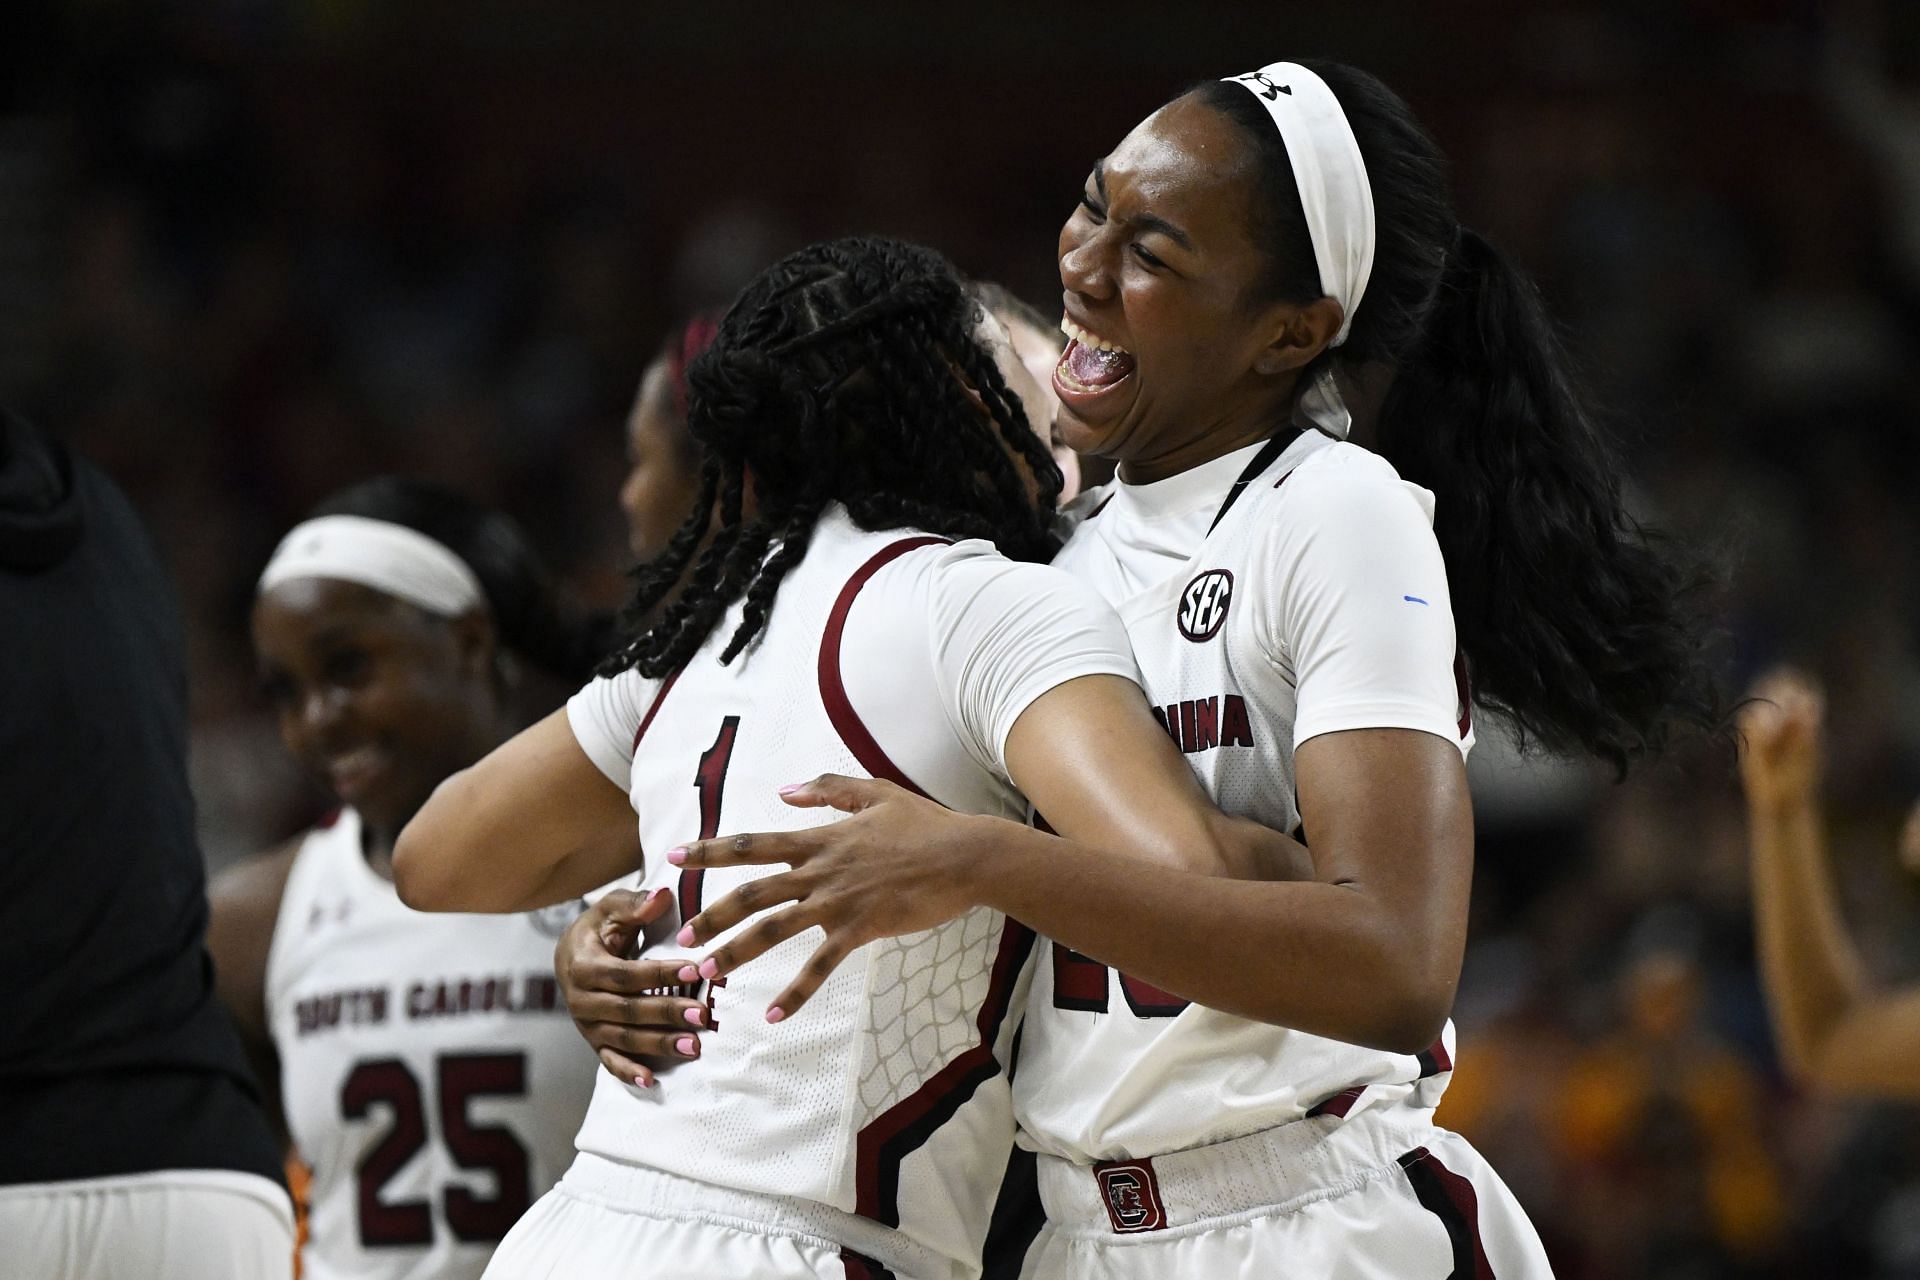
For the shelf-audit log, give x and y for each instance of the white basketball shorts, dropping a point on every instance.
(1377, 1196)
(192, 1224)
(610, 1219)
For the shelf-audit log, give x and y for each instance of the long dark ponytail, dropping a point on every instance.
(1580, 627)
(849, 372)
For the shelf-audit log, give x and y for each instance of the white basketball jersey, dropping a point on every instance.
(1318, 603)
(892, 655)
(430, 1074)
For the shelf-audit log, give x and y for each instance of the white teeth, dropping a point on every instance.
(1086, 339)
(358, 758)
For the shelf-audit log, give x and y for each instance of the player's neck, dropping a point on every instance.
(1195, 453)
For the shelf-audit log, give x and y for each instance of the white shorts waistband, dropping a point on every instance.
(632, 1188)
(1273, 1171)
(252, 1185)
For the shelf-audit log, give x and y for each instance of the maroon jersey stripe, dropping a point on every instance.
(1339, 1104)
(1450, 1198)
(861, 1267)
(833, 692)
(906, 1126)
(654, 710)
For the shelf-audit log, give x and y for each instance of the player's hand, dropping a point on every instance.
(618, 1003)
(1781, 742)
(895, 867)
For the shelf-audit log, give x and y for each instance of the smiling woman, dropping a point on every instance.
(390, 629)
(1224, 1077)
(1156, 263)
(871, 478)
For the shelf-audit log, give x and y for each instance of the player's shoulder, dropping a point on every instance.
(252, 887)
(970, 578)
(1341, 486)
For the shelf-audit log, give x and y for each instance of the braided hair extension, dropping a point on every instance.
(851, 372)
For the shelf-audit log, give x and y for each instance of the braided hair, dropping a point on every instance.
(850, 372)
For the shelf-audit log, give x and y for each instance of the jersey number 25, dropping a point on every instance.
(473, 1219)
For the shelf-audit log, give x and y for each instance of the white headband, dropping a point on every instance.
(375, 553)
(1335, 195)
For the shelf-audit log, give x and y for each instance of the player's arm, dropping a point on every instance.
(1834, 1032)
(243, 906)
(1368, 951)
(534, 822)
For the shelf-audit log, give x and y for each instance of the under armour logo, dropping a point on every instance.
(1268, 89)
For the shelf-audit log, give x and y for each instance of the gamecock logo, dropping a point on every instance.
(1132, 1194)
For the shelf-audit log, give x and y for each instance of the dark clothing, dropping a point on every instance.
(115, 1056)
(1017, 1219)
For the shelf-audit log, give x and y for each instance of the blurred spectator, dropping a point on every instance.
(1834, 1030)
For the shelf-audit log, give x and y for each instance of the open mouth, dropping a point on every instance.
(1090, 366)
(351, 772)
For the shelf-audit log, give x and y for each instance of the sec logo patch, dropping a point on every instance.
(1203, 605)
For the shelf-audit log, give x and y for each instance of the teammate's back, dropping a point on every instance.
(891, 654)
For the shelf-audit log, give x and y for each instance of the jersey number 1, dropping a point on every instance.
(710, 780)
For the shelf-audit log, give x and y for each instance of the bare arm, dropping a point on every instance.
(533, 823)
(243, 906)
(1834, 1032)
(1367, 951)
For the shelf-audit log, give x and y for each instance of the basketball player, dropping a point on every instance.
(663, 465)
(663, 473)
(858, 412)
(427, 1072)
(1835, 1031)
(1249, 257)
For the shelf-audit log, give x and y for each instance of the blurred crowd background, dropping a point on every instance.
(253, 250)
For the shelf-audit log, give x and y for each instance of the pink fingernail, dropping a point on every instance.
(776, 1013)
(685, 936)
(687, 1046)
(677, 856)
(689, 974)
(696, 1016)
(645, 1082)
(709, 968)
(791, 787)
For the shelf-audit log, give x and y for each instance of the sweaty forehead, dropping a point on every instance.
(303, 607)
(1186, 153)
